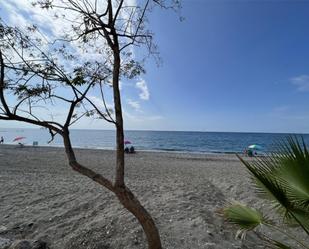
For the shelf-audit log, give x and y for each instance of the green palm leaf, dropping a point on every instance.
(267, 185)
(283, 177)
(294, 173)
(279, 245)
(244, 217)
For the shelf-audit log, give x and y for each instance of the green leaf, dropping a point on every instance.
(245, 217)
(279, 245)
(267, 185)
(283, 178)
(293, 173)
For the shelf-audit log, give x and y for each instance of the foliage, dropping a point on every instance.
(282, 178)
(246, 218)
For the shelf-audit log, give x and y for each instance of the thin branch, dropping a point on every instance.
(117, 12)
(19, 103)
(104, 103)
(141, 19)
(61, 98)
(2, 85)
(78, 118)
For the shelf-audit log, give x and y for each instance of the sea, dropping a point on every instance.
(169, 141)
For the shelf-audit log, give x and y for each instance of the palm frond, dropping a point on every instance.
(267, 185)
(244, 217)
(283, 177)
(300, 218)
(279, 245)
(293, 173)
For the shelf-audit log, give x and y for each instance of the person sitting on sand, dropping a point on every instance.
(126, 150)
(132, 150)
(250, 153)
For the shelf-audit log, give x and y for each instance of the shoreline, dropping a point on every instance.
(138, 150)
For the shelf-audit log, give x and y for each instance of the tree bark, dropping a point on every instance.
(124, 194)
(128, 200)
(119, 180)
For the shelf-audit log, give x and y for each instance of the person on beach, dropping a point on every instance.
(1, 140)
(126, 150)
(132, 150)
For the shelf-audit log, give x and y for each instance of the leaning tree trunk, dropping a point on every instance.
(124, 194)
(132, 204)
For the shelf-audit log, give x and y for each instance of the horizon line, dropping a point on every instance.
(262, 132)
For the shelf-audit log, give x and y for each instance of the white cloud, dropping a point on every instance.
(22, 13)
(23, 10)
(154, 118)
(144, 95)
(301, 82)
(134, 104)
(98, 102)
(120, 85)
(141, 119)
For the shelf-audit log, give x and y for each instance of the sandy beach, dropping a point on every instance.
(42, 198)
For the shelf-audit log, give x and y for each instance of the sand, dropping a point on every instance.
(42, 198)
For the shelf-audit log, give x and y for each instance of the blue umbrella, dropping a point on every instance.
(255, 147)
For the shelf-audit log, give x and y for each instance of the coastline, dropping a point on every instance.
(12, 145)
(179, 142)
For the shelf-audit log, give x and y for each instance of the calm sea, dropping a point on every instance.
(215, 142)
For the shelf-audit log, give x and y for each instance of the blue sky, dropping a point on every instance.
(230, 66)
(234, 66)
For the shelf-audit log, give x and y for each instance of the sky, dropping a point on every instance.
(238, 66)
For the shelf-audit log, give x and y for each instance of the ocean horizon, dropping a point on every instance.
(147, 140)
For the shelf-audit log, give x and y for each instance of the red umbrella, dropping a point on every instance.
(18, 138)
(127, 142)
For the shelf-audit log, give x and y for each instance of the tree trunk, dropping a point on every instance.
(128, 200)
(125, 196)
(119, 180)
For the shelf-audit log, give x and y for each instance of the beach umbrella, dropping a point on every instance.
(255, 147)
(127, 142)
(18, 139)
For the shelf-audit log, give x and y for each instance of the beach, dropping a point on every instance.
(42, 198)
